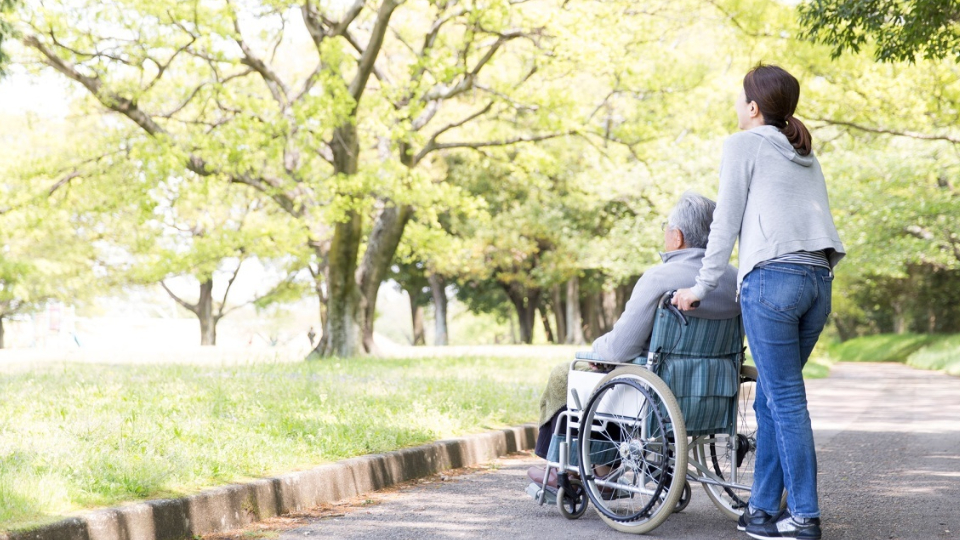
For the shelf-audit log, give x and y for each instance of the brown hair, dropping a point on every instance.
(777, 93)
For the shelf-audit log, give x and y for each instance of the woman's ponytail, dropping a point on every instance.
(798, 135)
(776, 93)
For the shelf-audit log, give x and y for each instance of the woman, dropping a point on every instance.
(773, 197)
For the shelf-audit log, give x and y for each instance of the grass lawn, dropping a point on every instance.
(818, 366)
(74, 437)
(922, 351)
(79, 436)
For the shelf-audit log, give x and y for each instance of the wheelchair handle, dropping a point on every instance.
(666, 303)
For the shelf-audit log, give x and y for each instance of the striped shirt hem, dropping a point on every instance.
(810, 258)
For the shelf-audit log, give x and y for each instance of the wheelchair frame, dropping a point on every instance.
(651, 444)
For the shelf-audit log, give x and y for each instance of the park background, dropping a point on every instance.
(187, 188)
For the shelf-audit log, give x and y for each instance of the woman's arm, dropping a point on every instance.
(736, 172)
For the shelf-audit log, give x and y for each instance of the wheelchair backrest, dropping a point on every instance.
(709, 338)
(700, 360)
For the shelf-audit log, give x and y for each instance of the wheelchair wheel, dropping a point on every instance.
(731, 459)
(684, 498)
(632, 441)
(572, 504)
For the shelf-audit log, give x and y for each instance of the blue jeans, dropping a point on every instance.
(785, 307)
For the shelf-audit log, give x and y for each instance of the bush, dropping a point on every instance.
(942, 355)
(881, 348)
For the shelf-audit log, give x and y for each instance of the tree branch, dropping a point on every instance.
(442, 91)
(129, 109)
(226, 292)
(377, 72)
(341, 28)
(372, 51)
(271, 292)
(277, 88)
(502, 142)
(191, 307)
(884, 131)
(162, 68)
(63, 181)
(432, 142)
(110, 100)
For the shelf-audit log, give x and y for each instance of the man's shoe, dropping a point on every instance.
(536, 474)
(786, 526)
(752, 516)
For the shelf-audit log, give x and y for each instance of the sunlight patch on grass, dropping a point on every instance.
(74, 437)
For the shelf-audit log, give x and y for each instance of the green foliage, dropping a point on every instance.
(922, 351)
(881, 348)
(899, 30)
(6, 32)
(942, 354)
(46, 252)
(535, 141)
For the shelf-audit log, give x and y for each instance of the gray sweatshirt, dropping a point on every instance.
(774, 199)
(630, 336)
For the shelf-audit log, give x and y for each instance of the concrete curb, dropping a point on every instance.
(231, 507)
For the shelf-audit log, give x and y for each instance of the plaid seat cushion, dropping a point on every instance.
(700, 362)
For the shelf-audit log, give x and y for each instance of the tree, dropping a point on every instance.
(206, 93)
(46, 252)
(343, 139)
(6, 32)
(899, 30)
(211, 233)
(411, 279)
(42, 259)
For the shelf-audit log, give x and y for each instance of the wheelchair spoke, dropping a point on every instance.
(628, 459)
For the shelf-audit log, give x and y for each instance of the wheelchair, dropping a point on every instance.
(638, 434)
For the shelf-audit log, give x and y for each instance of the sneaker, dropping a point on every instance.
(752, 516)
(786, 526)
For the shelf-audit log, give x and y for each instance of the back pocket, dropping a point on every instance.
(781, 287)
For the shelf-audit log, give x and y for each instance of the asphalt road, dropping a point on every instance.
(888, 440)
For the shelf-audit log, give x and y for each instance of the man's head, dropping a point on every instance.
(688, 224)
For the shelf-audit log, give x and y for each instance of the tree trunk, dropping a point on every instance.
(343, 333)
(591, 316)
(416, 314)
(208, 324)
(318, 281)
(608, 304)
(546, 324)
(1, 332)
(528, 317)
(899, 320)
(439, 290)
(559, 312)
(845, 331)
(381, 247)
(344, 330)
(574, 323)
(624, 292)
(525, 302)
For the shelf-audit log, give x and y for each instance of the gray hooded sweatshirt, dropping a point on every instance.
(774, 199)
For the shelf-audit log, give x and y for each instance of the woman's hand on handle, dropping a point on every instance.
(685, 300)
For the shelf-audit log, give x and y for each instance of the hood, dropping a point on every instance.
(779, 141)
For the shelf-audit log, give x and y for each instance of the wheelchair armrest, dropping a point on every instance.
(591, 357)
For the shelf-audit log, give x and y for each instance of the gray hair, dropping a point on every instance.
(693, 215)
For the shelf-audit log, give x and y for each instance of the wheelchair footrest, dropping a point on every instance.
(534, 491)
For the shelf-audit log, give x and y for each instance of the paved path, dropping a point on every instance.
(888, 439)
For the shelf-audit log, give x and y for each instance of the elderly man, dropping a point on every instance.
(685, 241)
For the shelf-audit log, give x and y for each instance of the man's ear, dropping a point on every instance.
(682, 241)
